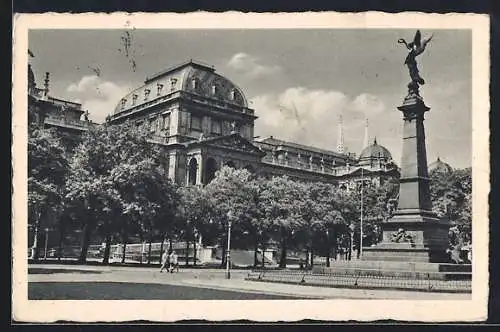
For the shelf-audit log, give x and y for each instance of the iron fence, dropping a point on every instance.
(357, 279)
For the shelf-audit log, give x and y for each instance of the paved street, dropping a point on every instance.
(51, 282)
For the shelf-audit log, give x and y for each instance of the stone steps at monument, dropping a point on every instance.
(401, 266)
(415, 270)
(398, 274)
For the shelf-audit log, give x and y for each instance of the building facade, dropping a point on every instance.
(203, 122)
(50, 112)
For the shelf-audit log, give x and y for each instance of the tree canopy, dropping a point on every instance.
(114, 186)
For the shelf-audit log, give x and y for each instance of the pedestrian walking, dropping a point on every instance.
(174, 262)
(165, 264)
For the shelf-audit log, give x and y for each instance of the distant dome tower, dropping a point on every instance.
(440, 166)
(374, 154)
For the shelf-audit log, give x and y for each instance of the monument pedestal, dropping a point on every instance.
(428, 240)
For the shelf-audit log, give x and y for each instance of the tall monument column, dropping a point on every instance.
(414, 194)
(414, 233)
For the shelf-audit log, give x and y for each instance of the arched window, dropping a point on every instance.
(193, 171)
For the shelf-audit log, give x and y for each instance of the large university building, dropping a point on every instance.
(203, 122)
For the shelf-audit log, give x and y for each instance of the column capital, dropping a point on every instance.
(413, 107)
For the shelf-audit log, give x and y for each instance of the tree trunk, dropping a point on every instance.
(334, 244)
(62, 231)
(107, 249)
(255, 254)
(161, 248)
(327, 253)
(187, 252)
(223, 258)
(85, 243)
(263, 256)
(170, 247)
(36, 238)
(349, 251)
(194, 250)
(358, 253)
(312, 257)
(125, 240)
(283, 254)
(149, 249)
(124, 248)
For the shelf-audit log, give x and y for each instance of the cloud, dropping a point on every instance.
(97, 96)
(368, 104)
(251, 66)
(311, 117)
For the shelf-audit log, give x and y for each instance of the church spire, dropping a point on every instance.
(365, 141)
(340, 139)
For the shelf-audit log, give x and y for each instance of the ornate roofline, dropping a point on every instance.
(276, 142)
(177, 67)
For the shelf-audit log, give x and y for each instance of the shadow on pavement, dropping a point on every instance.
(137, 291)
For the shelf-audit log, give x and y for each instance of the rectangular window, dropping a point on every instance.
(152, 125)
(216, 127)
(196, 123)
(226, 127)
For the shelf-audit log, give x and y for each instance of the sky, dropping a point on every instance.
(322, 73)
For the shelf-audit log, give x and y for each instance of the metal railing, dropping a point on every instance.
(358, 280)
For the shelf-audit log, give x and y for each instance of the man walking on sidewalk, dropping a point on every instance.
(165, 264)
(174, 264)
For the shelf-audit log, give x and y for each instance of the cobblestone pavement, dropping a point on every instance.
(215, 279)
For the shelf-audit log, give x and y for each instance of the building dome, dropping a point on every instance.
(440, 166)
(191, 77)
(375, 151)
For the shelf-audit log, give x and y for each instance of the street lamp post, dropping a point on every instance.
(327, 248)
(46, 243)
(228, 251)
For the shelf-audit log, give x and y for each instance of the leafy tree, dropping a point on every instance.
(257, 226)
(232, 197)
(279, 198)
(451, 194)
(194, 211)
(47, 169)
(321, 214)
(118, 185)
(147, 196)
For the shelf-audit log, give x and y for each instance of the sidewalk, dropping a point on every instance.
(216, 279)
